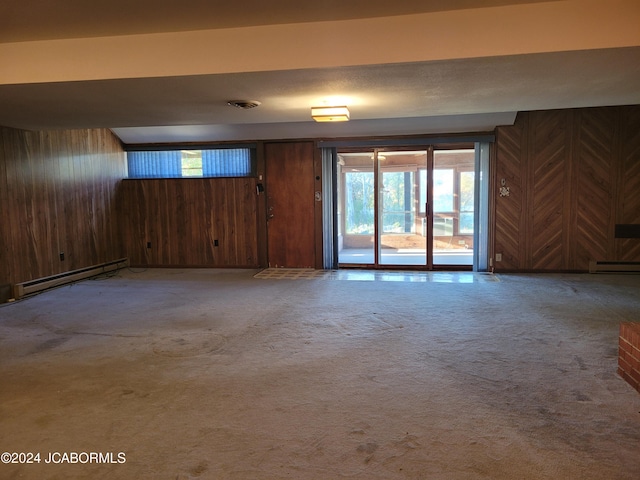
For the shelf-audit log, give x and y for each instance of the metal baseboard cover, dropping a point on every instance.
(40, 284)
(613, 267)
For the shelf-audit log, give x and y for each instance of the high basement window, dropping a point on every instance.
(192, 163)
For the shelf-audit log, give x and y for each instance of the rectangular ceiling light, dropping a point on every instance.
(330, 114)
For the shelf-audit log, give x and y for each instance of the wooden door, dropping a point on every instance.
(289, 185)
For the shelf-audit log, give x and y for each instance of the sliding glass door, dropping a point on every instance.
(356, 208)
(405, 208)
(402, 222)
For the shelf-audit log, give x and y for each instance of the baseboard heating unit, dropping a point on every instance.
(614, 267)
(40, 284)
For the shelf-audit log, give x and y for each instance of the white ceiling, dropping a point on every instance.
(455, 87)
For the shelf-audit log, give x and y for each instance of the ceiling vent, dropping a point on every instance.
(243, 104)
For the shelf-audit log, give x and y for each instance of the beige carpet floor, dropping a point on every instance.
(215, 374)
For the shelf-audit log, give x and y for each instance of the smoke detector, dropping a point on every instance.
(243, 104)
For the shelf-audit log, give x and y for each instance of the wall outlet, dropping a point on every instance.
(498, 257)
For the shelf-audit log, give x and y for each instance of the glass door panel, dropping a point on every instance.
(356, 209)
(402, 190)
(453, 201)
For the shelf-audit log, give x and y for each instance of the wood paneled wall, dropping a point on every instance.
(57, 192)
(572, 175)
(182, 218)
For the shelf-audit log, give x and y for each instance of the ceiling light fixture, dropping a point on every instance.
(330, 114)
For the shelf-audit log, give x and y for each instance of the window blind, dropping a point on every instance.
(232, 162)
(155, 164)
(215, 162)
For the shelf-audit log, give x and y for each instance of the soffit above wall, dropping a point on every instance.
(22, 21)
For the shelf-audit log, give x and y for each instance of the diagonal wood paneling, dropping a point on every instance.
(508, 210)
(579, 171)
(629, 249)
(596, 174)
(547, 165)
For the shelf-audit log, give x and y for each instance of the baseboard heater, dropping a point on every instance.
(40, 284)
(614, 267)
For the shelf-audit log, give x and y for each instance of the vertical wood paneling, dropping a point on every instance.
(56, 187)
(183, 217)
(18, 175)
(52, 175)
(580, 171)
(6, 227)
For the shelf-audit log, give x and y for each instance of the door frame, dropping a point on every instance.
(377, 214)
(430, 148)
